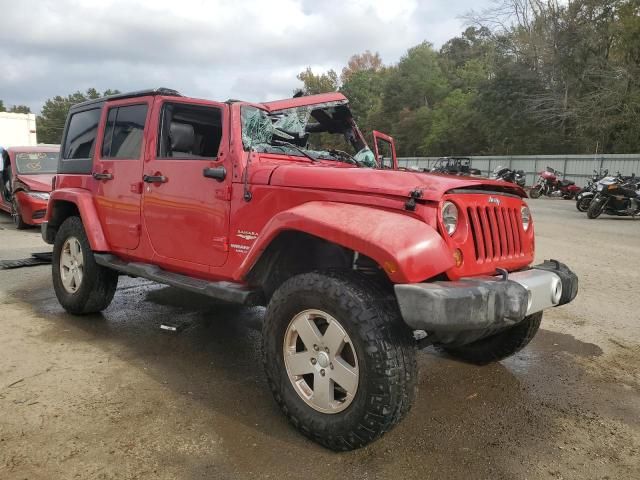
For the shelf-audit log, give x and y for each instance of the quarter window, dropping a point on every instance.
(124, 131)
(81, 134)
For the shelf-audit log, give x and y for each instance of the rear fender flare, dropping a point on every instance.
(408, 249)
(88, 214)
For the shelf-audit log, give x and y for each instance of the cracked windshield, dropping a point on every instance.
(318, 132)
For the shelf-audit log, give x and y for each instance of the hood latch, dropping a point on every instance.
(414, 194)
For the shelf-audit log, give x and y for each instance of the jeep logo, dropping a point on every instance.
(494, 200)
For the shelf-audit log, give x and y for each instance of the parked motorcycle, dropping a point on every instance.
(616, 196)
(584, 196)
(518, 177)
(550, 184)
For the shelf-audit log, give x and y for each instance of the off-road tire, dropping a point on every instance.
(384, 346)
(98, 284)
(18, 221)
(499, 346)
(596, 208)
(535, 192)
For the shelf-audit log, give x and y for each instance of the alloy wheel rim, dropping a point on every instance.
(321, 361)
(71, 265)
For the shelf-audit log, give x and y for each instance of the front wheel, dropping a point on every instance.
(81, 285)
(498, 346)
(535, 191)
(583, 204)
(18, 221)
(339, 360)
(596, 207)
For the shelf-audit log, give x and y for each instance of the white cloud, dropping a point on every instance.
(216, 49)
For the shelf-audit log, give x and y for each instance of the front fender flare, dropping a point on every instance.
(84, 203)
(408, 249)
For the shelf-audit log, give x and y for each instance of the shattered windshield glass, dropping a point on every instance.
(319, 132)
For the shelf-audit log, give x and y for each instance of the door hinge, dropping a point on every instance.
(224, 193)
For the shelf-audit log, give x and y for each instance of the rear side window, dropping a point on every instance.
(81, 134)
(124, 131)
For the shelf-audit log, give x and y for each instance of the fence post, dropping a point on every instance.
(564, 169)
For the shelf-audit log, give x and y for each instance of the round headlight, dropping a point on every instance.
(450, 217)
(526, 217)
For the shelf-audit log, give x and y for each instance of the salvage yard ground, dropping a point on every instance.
(114, 397)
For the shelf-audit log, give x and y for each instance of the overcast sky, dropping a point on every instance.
(248, 49)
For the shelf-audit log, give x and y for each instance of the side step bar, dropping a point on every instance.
(226, 291)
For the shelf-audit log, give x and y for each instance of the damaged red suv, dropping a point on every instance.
(26, 175)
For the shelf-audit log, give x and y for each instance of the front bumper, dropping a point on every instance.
(33, 210)
(486, 302)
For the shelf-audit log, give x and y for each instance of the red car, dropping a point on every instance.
(26, 174)
(282, 204)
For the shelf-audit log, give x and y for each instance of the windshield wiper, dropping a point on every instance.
(295, 147)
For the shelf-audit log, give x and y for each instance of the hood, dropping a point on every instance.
(37, 183)
(384, 182)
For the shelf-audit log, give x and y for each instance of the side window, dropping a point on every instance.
(123, 134)
(189, 131)
(81, 134)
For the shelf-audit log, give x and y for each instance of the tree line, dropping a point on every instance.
(525, 77)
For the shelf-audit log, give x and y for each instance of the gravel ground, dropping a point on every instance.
(113, 397)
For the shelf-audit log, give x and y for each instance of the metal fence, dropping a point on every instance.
(575, 167)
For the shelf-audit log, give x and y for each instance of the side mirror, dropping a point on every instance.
(384, 148)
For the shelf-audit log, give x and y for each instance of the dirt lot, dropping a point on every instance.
(112, 396)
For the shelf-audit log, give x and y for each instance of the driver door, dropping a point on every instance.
(186, 189)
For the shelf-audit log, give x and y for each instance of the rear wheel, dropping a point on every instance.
(81, 285)
(17, 215)
(340, 362)
(595, 208)
(535, 191)
(499, 346)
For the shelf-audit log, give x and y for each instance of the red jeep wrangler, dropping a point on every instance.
(283, 204)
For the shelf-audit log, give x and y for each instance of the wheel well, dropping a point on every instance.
(61, 210)
(292, 253)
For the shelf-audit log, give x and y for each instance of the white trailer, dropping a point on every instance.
(17, 130)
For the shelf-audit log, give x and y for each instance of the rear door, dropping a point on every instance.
(187, 190)
(118, 168)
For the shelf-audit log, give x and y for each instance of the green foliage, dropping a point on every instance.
(50, 123)
(14, 108)
(530, 78)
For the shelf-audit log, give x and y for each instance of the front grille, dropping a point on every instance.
(39, 214)
(496, 232)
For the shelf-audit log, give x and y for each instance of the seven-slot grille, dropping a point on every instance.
(496, 232)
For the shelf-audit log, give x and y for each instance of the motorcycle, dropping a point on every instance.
(550, 184)
(616, 196)
(584, 196)
(506, 174)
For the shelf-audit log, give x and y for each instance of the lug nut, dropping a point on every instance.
(322, 372)
(331, 366)
(315, 347)
(313, 361)
(326, 349)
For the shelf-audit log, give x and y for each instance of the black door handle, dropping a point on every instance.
(102, 176)
(154, 178)
(218, 173)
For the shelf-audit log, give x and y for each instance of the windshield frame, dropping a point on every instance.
(290, 125)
